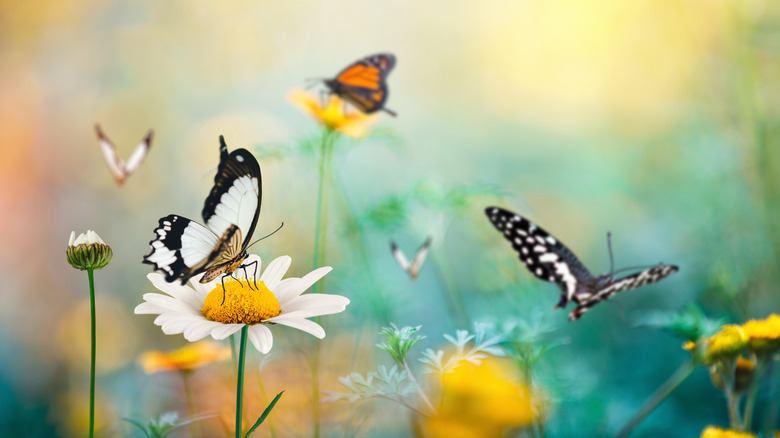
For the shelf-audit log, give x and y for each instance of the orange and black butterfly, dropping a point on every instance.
(363, 83)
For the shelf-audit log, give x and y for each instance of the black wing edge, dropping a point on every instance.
(233, 165)
(168, 232)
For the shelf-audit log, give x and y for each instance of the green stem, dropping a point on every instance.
(320, 235)
(92, 354)
(419, 388)
(455, 296)
(750, 402)
(658, 396)
(265, 401)
(240, 384)
(233, 351)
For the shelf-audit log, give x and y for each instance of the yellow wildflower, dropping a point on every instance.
(764, 335)
(333, 114)
(481, 401)
(717, 432)
(184, 359)
(729, 342)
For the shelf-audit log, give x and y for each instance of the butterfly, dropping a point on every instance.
(412, 268)
(183, 248)
(362, 83)
(118, 167)
(550, 260)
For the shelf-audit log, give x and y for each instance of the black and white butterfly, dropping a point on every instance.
(550, 260)
(412, 268)
(183, 248)
(119, 168)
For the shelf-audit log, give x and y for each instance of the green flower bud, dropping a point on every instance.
(88, 251)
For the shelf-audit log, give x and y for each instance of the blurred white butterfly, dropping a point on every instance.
(412, 268)
(120, 169)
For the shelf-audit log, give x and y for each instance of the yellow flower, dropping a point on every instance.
(716, 432)
(334, 114)
(729, 342)
(481, 401)
(743, 375)
(763, 336)
(184, 359)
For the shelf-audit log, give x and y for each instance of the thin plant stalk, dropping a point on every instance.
(265, 400)
(411, 378)
(320, 243)
(455, 296)
(660, 394)
(93, 339)
(240, 382)
(233, 352)
(185, 378)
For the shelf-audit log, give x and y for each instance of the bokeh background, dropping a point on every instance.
(656, 121)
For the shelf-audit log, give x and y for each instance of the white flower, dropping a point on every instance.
(271, 300)
(88, 238)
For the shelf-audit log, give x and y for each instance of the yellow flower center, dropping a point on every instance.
(243, 304)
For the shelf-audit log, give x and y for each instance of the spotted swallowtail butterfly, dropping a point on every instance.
(183, 248)
(550, 260)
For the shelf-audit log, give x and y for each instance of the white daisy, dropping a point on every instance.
(199, 311)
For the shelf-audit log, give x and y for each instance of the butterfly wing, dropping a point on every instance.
(400, 258)
(419, 258)
(139, 154)
(115, 164)
(363, 82)
(587, 300)
(181, 248)
(544, 255)
(236, 196)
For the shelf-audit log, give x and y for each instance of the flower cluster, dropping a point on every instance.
(717, 432)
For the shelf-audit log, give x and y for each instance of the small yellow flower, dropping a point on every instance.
(184, 359)
(333, 115)
(717, 432)
(88, 251)
(481, 401)
(743, 375)
(729, 342)
(764, 335)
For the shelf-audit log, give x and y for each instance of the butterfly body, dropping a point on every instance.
(550, 260)
(363, 83)
(183, 248)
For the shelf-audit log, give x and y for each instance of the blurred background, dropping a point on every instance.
(656, 121)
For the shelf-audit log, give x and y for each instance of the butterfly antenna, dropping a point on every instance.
(389, 111)
(611, 259)
(268, 235)
(313, 81)
(223, 152)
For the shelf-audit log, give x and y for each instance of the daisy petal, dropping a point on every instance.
(316, 304)
(175, 289)
(305, 325)
(261, 337)
(275, 271)
(290, 288)
(224, 330)
(199, 329)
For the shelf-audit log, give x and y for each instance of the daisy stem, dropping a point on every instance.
(658, 396)
(92, 354)
(240, 383)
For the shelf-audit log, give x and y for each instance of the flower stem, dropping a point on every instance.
(419, 388)
(240, 384)
(92, 354)
(320, 235)
(658, 396)
(750, 402)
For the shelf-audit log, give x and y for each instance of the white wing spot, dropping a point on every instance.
(523, 249)
(539, 271)
(551, 240)
(550, 257)
(540, 249)
(239, 158)
(529, 240)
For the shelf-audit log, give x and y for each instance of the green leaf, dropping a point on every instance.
(265, 414)
(138, 425)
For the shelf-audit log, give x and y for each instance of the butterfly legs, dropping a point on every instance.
(254, 275)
